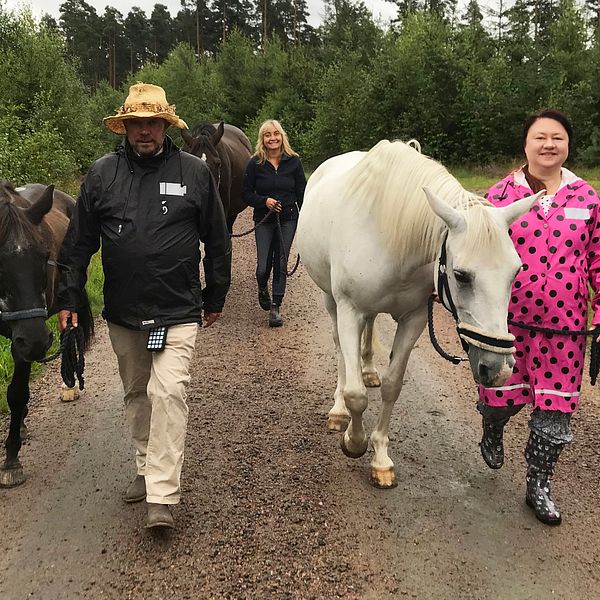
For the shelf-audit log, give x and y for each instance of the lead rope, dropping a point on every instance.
(70, 349)
(283, 254)
(296, 265)
(453, 359)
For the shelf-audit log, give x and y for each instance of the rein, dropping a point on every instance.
(238, 235)
(70, 350)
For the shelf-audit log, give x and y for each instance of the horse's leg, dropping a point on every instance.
(11, 473)
(407, 333)
(350, 327)
(369, 372)
(24, 430)
(338, 417)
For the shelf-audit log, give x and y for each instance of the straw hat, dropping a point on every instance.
(145, 101)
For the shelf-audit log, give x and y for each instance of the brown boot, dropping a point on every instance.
(136, 492)
(159, 515)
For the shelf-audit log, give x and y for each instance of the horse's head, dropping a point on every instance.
(480, 266)
(23, 272)
(203, 142)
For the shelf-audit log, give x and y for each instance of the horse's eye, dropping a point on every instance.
(462, 277)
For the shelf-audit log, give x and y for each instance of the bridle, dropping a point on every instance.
(27, 313)
(468, 334)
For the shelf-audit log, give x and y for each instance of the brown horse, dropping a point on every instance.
(227, 151)
(33, 223)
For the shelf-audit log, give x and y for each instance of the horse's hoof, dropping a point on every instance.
(68, 394)
(383, 479)
(352, 453)
(338, 422)
(371, 380)
(11, 477)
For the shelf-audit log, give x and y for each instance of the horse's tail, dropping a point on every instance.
(86, 320)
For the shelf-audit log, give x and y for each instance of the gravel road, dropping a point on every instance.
(271, 508)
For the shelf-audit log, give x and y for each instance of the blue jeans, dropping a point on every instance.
(269, 255)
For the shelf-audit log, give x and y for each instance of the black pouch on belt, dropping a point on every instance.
(157, 338)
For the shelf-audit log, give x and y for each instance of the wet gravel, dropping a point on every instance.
(271, 509)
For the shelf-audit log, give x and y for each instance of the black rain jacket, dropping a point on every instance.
(286, 184)
(150, 213)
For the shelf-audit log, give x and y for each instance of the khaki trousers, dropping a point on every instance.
(155, 403)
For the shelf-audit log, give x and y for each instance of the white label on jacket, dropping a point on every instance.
(172, 189)
(577, 213)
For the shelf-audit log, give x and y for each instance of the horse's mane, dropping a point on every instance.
(389, 182)
(14, 225)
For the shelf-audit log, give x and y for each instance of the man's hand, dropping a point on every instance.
(63, 317)
(210, 318)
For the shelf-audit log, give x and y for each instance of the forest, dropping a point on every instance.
(457, 81)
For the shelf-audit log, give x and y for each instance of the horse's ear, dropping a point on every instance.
(443, 210)
(217, 135)
(35, 213)
(187, 137)
(517, 209)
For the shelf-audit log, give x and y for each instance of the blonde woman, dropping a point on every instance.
(274, 185)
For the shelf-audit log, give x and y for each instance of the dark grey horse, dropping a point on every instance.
(227, 150)
(33, 223)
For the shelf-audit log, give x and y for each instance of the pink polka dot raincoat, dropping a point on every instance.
(558, 241)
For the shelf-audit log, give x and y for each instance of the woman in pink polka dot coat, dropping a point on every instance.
(558, 242)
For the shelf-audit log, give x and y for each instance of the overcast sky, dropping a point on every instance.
(380, 9)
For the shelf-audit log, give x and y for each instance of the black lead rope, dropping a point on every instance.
(453, 359)
(72, 343)
(285, 257)
(238, 235)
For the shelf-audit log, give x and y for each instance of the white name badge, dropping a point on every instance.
(577, 213)
(172, 189)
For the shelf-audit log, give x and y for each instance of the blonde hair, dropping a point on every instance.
(261, 152)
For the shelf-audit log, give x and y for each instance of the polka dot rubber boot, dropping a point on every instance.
(491, 445)
(542, 456)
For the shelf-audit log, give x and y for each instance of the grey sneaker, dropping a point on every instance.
(136, 492)
(159, 515)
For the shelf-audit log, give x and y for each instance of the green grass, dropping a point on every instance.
(480, 179)
(94, 290)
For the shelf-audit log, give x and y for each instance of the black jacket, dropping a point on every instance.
(150, 214)
(285, 184)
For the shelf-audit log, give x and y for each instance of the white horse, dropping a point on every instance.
(371, 227)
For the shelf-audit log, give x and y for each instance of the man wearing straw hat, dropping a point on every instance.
(150, 205)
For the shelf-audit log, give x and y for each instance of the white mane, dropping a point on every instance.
(389, 182)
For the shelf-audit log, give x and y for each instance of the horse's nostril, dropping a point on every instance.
(484, 373)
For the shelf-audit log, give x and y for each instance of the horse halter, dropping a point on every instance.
(27, 313)
(468, 334)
